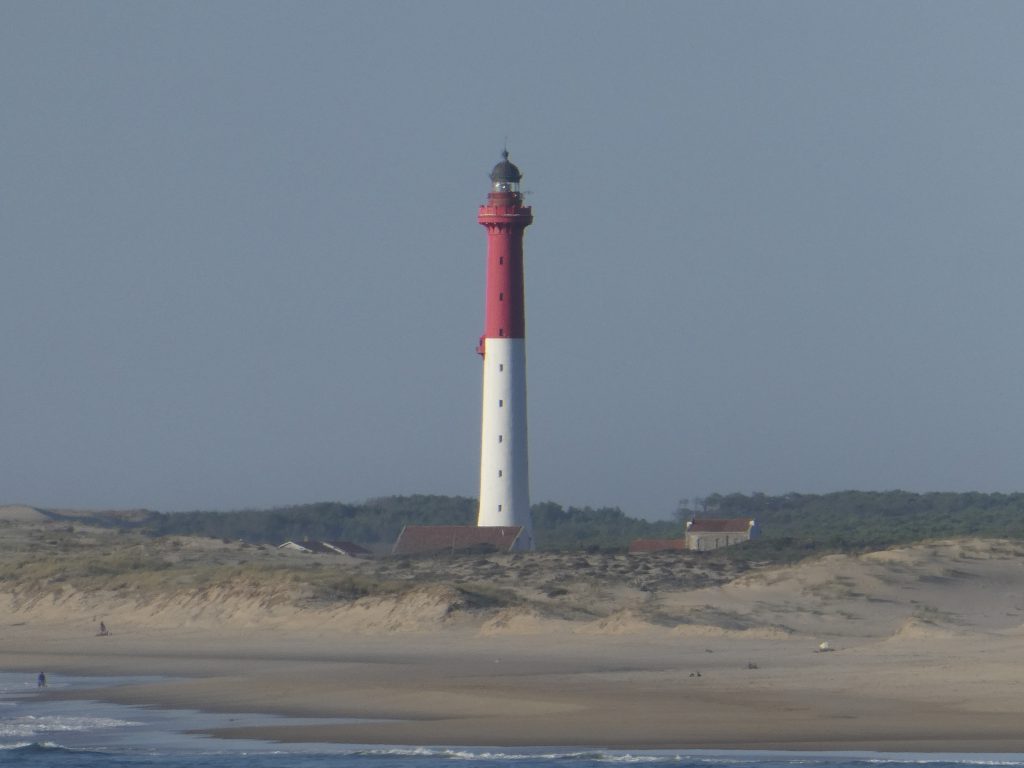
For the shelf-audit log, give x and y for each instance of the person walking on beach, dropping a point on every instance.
(103, 630)
(41, 680)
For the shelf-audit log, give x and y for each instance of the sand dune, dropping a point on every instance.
(962, 586)
(16, 513)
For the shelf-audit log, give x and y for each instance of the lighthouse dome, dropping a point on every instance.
(505, 173)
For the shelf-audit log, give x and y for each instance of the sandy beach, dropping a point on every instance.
(925, 653)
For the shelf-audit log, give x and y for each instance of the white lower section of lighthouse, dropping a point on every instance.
(504, 462)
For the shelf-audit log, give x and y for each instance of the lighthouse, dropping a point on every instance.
(504, 461)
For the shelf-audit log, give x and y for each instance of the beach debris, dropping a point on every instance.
(825, 646)
(751, 665)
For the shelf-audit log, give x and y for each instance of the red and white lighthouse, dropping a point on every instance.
(504, 463)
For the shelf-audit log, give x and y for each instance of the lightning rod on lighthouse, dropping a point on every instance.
(504, 462)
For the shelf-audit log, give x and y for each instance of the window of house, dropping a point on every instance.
(500, 438)
(501, 403)
(499, 473)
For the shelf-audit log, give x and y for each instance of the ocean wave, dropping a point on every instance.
(452, 753)
(31, 725)
(959, 760)
(16, 745)
(841, 759)
(36, 746)
(683, 758)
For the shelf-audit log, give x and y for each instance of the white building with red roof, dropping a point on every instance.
(708, 533)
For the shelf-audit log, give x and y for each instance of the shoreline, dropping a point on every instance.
(457, 689)
(179, 729)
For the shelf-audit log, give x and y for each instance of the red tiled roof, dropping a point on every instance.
(641, 546)
(427, 539)
(711, 525)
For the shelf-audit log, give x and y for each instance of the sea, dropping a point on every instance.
(41, 732)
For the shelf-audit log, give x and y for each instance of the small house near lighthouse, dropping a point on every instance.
(504, 461)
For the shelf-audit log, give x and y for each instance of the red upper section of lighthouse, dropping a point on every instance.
(505, 218)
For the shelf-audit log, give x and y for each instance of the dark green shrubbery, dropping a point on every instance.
(794, 525)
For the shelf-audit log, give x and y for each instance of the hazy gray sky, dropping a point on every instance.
(778, 246)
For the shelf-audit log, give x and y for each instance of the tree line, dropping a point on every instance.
(793, 525)
(376, 523)
(797, 524)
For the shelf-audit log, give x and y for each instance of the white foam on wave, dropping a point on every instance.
(32, 744)
(958, 760)
(17, 745)
(490, 755)
(856, 757)
(777, 759)
(700, 757)
(32, 725)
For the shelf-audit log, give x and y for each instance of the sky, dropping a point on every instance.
(778, 247)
